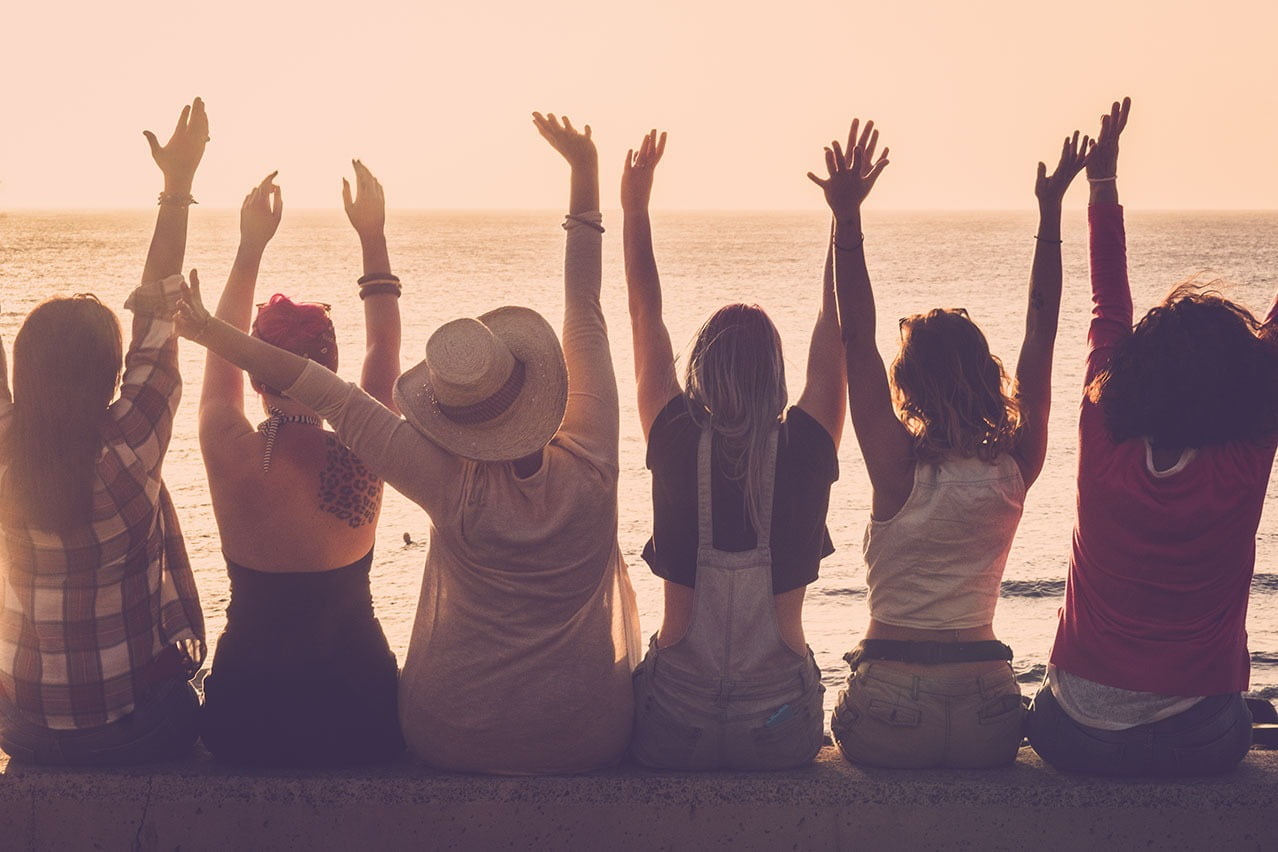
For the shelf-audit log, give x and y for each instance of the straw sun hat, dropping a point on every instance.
(490, 389)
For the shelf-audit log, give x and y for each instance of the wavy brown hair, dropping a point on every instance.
(1197, 370)
(950, 390)
(736, 373)
(66, 363)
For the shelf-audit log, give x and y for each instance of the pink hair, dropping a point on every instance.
(303, 328)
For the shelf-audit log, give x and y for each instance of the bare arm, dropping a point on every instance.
(886, 444)
(655, 375)
(391, 448)
(222, 398)
(825, 389)
(178, 160)
(592, 414)
(366, 210)
(1034, 367)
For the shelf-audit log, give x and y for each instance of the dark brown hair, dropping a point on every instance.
(951, 392)
(1197, 370)
(66, 362)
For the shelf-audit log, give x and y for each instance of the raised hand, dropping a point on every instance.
(260, 214)
(1102, 163)
(851, 177)
(191, 318)
(181, 155)
(636, 178)
(1050, 189)
(575, 146)
(366, 209)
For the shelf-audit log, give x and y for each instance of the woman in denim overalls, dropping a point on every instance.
(740, 490)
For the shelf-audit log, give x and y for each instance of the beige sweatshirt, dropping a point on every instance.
(527, 629)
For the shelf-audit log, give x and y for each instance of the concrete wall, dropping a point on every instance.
(831, 805)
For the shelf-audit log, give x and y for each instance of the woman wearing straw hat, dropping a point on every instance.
(526, 629)
(740, 490)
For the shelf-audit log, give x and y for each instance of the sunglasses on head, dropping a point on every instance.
(904, 320)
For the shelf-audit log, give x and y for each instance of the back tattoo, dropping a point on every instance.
(347, 488)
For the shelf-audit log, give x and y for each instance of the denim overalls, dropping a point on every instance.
(730, 694)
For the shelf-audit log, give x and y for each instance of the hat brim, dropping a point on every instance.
(532, 419)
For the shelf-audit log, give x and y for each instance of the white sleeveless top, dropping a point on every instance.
(938, 563)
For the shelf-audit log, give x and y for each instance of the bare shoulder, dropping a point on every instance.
(347, 488)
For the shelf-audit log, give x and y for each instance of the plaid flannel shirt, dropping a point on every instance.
(84, 615)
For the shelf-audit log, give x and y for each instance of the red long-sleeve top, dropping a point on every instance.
(1156, 599)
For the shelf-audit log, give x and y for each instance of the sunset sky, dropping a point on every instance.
(435, 97)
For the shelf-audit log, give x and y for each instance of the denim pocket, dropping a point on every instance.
(792, 740)
(894, 714)
(1001, 710)
(660, 739)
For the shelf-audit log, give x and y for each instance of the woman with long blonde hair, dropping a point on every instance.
(740, 488)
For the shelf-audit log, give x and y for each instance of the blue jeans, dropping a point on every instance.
(1209, 738)
(163, 725)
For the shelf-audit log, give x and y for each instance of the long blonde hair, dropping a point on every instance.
(736, 377)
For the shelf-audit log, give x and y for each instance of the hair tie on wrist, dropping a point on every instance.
(582, 220)
(176, 199)
(1048, 240)
(1102, 179)
(859, 244)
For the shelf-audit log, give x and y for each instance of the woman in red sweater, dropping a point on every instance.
(1176, 441)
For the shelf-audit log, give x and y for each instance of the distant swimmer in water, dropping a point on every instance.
(527, 629)
(951, 451)
(740, 487)
(1177, 436)
(303, 674)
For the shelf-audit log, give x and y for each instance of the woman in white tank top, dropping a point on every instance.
(949, 464)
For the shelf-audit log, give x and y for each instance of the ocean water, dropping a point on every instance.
(460, 264)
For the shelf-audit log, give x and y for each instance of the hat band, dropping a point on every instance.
(490, 408)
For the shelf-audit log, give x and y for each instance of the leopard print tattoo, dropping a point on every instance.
(347, 488)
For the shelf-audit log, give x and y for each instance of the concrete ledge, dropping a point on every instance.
(831, 805)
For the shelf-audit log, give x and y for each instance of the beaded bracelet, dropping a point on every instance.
(582, 220)
(176, 199)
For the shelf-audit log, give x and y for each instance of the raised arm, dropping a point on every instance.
(178, 160)
(392, 449)
(825, 390)
(886, 445)
(592, 415)
(379, 288)
(1111, 291)
(654, 356)
(222, 414)
(1034, 367)
(151, 384)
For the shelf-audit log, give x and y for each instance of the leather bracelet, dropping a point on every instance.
(381, 288)
(377, 278)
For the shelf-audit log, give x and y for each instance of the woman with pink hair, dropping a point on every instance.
(302, 674)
